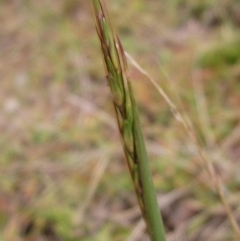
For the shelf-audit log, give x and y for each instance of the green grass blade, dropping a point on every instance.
(155, 225)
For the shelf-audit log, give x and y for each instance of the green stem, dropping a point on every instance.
(128, 122)
(152, 212)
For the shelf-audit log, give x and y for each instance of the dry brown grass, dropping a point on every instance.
(53, 122)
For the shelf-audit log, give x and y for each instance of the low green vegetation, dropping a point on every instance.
(63, 174)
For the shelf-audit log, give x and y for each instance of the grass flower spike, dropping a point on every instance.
(128, 122)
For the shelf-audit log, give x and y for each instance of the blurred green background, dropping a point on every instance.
(63, 173)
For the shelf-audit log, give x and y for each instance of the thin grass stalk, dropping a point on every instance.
(128, 122)
(206, 163)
